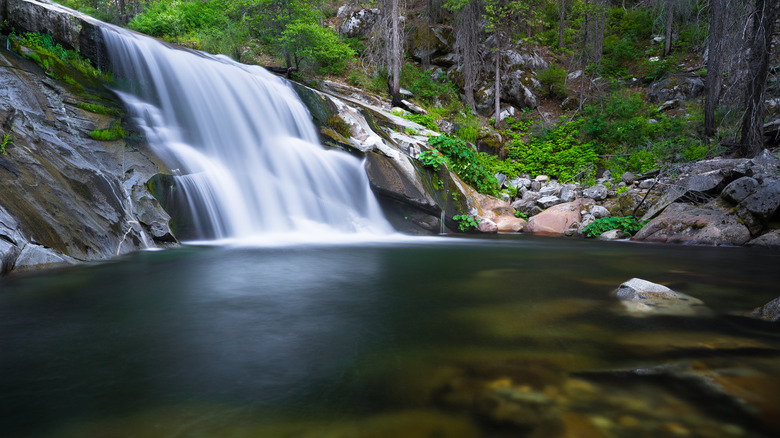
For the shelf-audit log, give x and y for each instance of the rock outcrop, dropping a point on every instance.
(73, 30)
(66, 197)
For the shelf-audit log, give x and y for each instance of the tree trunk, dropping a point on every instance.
(595, 23)
(497, 94)
(712, 82)
(121, 13)
(752, 139)
(669, 22)
(467, 37)
(395, 38)
(561, 19)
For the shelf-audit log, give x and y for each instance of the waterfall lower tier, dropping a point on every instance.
(242, 144)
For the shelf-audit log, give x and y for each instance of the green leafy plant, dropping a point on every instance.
(622, 189)
(55, 59)
(521, 215)
(422, 119)
(6, 140)
(465, 222)
(432, 158)
(427, 86)
(410, 131)
(627, 224)
(556, 152)
(465, 162)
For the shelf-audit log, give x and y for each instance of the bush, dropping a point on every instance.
(427, 87)
(424, 120)
(432, 158)
(629, 225)
(553, 80)
(464, 161)
(465, 222)
(320, 48)
(557, 152)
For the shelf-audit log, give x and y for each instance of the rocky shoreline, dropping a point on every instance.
(712, 202)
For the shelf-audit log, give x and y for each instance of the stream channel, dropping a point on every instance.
(429, 337)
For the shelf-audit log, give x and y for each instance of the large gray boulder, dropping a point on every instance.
(676, 87)
(739, 189)
(710, 224)
(764, 202)
(641, 297)
(770, 239)
(359, 23)
(697, 188)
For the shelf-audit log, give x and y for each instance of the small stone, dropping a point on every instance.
(628, 178)
(598, 211)
(628, 421)
(647, 184)
(548, 191)
(613, 235)
(567, 194)
(770, 311)
(548, 201)
(598, 192)
(668, 105)
(542, 178)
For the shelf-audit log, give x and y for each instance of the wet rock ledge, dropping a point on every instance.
(64, 197)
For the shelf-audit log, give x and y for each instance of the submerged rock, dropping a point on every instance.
(769, 311)
(641, 297)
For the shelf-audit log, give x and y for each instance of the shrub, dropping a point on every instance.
(424, 120)
(627, 224)
(427, 86)
(6, 140)
(464, 161)
(557, 152)
(465, 222)
(553, 80)
(432, 158)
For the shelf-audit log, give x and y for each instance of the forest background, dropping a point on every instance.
(594, 108)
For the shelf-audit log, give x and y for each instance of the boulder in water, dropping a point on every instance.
(769, 311)
(642, 297)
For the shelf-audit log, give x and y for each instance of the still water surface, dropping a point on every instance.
(433, 338)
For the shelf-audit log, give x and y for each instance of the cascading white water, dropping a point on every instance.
(242, 142)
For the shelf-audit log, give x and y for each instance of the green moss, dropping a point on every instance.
(339, 125)
(115, 132)
(99, 109)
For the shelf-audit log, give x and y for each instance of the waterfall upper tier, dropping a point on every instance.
(247, 155)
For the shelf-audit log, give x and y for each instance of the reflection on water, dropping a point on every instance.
(447, 337)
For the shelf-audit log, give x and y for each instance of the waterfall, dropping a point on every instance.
(242, 145)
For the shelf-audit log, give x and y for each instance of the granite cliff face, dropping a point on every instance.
(65, 197)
